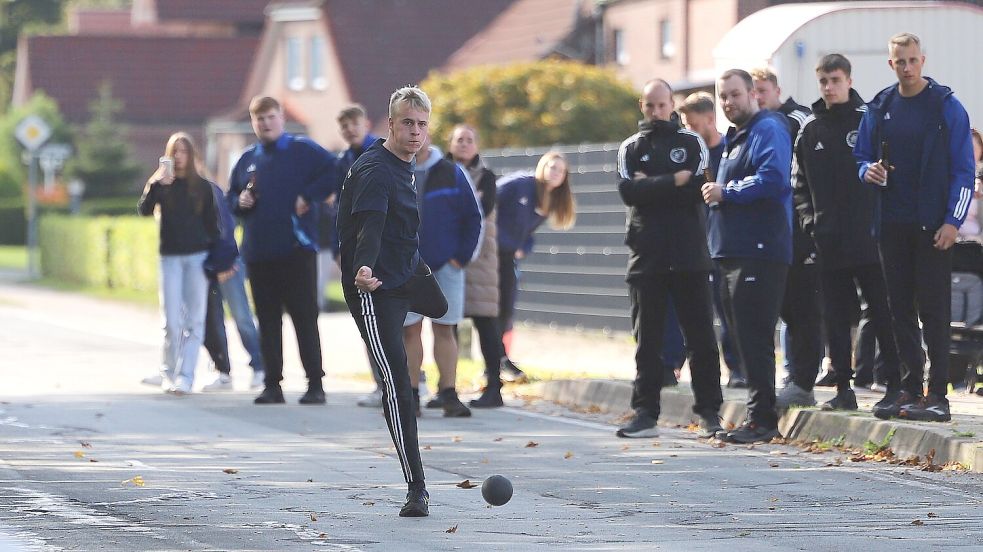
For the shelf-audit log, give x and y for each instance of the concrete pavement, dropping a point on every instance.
(78, 436)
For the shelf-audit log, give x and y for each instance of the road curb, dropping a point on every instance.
(854, 429)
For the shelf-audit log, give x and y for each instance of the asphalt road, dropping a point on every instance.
(90, 461)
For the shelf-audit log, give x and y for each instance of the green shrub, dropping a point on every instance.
(75, 249)
(133, 253)
(110, 206)
(13, 222)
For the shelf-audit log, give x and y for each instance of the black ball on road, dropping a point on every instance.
(496, 490)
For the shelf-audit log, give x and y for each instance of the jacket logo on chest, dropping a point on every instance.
(734, 152)
(887, 116)
(851, 138)
(677, 155)
(819, 146)
(523, 200)
(644, 158)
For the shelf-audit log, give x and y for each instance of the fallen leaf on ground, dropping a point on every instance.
(532, 444)
(484, 460)
(313, 516)
(933, 515)
(79, 454)
(310, 480)
(427, 447)
(497, 439)
(658, 461)
(452, 530)
(466, 484)
(92, 460)
(456, 439)
(230, 471)
(773, 465)
(368, 503)
(322, 536)
(85, 444)
(718, 444)
(568, 455)
(135, 480)
(918, 522)
(625, 447)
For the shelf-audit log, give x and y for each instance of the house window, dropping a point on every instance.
(620, 51)
(667, 49)
(318, 81)
(295, 76)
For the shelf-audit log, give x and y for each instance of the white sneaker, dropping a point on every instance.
(222, 383)
(372, 400)
(259, 380)
(155, 381)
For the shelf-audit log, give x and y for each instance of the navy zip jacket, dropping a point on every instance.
(944, 185)
(517, 216)
(290, 167)
(754, 219)
(329, 214)
(223, 252)
(450, 219)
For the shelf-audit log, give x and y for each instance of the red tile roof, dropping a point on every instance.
(529, 30)
(225, 11)
(385, 44)
(158, 79)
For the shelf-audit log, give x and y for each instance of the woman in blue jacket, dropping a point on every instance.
(188, 226)
(524, 202)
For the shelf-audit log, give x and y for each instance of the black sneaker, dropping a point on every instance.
(751, 432)
(736, 383)
(932, 408)
(892, 403)
(270, 395)
(491, 397)
(452, 405)
(417, 504)
(708, 426)
(641, 425)
(436, 402)
(511, 373)
(844, 400)
(314, 395)
(827, 380)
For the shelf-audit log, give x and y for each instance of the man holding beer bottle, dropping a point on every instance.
(926, 184)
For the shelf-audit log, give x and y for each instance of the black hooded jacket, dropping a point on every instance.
(666, 223)
(834, 206)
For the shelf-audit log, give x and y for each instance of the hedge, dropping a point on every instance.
(116, 252)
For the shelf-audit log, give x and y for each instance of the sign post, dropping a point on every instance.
(32, 133)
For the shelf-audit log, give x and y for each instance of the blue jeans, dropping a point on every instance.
(183, 298)
(234, 293)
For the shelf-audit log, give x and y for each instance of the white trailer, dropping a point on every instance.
(791, 38)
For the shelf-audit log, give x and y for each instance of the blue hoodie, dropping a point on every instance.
(517, 216)
(223, 252)
(450, 217)
(942, 190)
(754, 221)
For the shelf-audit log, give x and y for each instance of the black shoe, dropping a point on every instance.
(417, 504)
(708, 426)
(736, 383)
(452, 405)
(751, 432)
(892, 403)
(844, 400)
(932, 408)
(827, 380)
(270, 395)
(490, 398)
(314, 395)
(436, 402)
(511, 373)
(642, 425)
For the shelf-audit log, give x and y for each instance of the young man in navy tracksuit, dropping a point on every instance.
(751, 241)
(450, 230)
(661, 171)
(276, 187)
(378, 220)
(926, 185)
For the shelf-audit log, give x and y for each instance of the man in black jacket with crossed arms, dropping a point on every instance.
(661, 170)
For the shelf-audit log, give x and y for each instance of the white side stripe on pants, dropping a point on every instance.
(379, 354)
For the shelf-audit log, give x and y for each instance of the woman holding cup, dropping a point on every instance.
(188, 225)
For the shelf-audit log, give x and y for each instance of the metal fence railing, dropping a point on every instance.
(575, 278)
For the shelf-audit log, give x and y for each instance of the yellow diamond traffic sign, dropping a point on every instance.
(32, 132)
